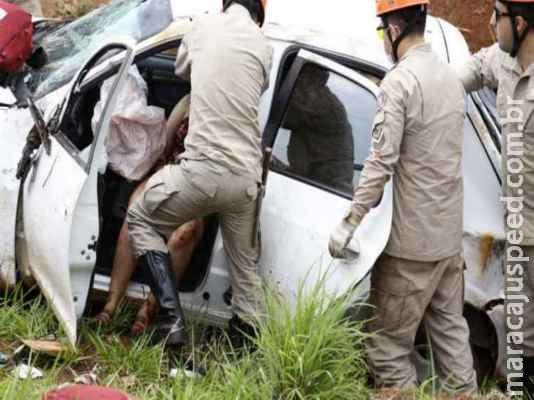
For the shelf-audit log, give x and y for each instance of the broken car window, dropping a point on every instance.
(78, 128)
(325, 135)
(70, 46)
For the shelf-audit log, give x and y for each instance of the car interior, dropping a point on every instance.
(164, 90)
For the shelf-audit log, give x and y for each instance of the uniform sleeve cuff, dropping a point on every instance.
(352, 218)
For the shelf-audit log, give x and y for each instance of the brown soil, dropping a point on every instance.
(49, 8)
(69, 8)
(471, 16)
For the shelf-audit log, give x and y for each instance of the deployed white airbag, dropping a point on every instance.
(136, 138)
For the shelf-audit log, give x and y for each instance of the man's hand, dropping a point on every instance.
(339, 240)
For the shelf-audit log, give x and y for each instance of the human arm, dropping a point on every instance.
(481, 69)
(388, 134)
(178, 114)
(182, 65)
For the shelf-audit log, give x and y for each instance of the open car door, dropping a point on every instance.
(320, 131)
(60, 207)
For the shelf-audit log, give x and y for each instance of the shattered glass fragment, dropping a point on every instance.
(72, 44)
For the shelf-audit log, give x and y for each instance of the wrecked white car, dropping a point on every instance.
(59, 230)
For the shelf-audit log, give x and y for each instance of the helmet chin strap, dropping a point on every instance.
(518, 38)
(408, 30)
(395, 44)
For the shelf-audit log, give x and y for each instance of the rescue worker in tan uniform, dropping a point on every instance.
(418, 143)
(228, 60)
(508, 67)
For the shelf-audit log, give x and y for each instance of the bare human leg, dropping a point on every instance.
(123, 269)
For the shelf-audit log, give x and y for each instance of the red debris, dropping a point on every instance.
(85, 392)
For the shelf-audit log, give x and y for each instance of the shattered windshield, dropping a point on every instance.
(69, 47)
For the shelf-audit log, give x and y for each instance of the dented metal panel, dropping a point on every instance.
(50, 194)
(483, 222)
(60, 214)
(15, 123)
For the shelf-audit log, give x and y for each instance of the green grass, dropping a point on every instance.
(313, 354)
(20, 318)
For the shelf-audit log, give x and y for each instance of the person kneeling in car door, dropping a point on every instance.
(181, 243)
(417, 142)
(228, 60)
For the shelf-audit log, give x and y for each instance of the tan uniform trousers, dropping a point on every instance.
(520, 282)
(405, 293)
(180, 193)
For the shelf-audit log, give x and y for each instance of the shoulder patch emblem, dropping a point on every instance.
(381, 101)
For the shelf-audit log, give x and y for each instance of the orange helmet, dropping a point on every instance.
(387, 6)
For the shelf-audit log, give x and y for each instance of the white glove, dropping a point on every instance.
(340, 239)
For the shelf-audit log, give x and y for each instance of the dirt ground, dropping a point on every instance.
(472, 17)
(69, 8)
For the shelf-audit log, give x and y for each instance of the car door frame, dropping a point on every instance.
(304, 56)
(83, 241)
(72, 269)
(352, 276)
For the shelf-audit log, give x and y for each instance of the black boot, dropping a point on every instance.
(528, 377)
(241, 334)
(169, 322)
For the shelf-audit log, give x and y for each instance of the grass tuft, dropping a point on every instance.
(312, 353)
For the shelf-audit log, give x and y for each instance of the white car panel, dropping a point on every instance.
(49, 201)
(296, 226)
(307, 215)
(60, 194)
(13, 139)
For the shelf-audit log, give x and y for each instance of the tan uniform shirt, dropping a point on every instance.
(228, 60)
(494, 68)
(418, 140)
